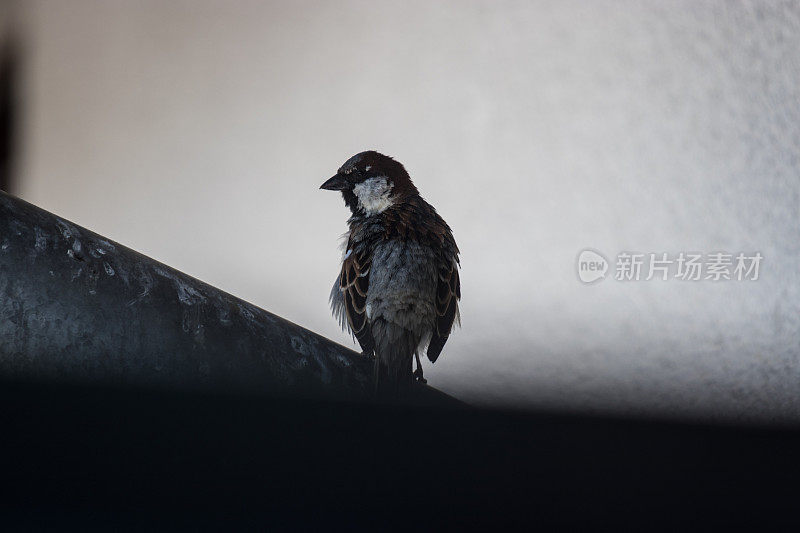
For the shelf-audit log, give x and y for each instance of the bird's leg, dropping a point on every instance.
(418, 371)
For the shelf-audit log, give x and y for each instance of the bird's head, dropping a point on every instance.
(371, 182)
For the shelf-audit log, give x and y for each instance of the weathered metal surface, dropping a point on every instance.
(75, 307)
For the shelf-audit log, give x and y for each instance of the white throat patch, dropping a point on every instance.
(373, 195)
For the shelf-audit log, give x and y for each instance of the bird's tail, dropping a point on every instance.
(394, 356)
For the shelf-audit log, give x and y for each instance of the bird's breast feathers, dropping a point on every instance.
(401, 266)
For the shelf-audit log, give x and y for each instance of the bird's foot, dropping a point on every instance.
(418, 376)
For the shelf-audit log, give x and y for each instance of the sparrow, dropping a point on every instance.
(398, 288)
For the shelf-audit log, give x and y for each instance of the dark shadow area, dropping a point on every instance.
(90, 458)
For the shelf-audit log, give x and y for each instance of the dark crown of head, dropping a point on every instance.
(370, 164)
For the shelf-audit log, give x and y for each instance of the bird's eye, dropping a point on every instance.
(367, 168)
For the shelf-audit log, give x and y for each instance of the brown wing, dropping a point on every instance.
(448, 292)
(416, 219)
(354, 282)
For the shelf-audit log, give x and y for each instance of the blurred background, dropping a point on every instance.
(198, 132)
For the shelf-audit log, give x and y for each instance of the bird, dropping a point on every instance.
(398, 289)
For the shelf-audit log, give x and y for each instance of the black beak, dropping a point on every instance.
(336, 183)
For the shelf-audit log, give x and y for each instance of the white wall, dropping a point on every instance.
(198, 133)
